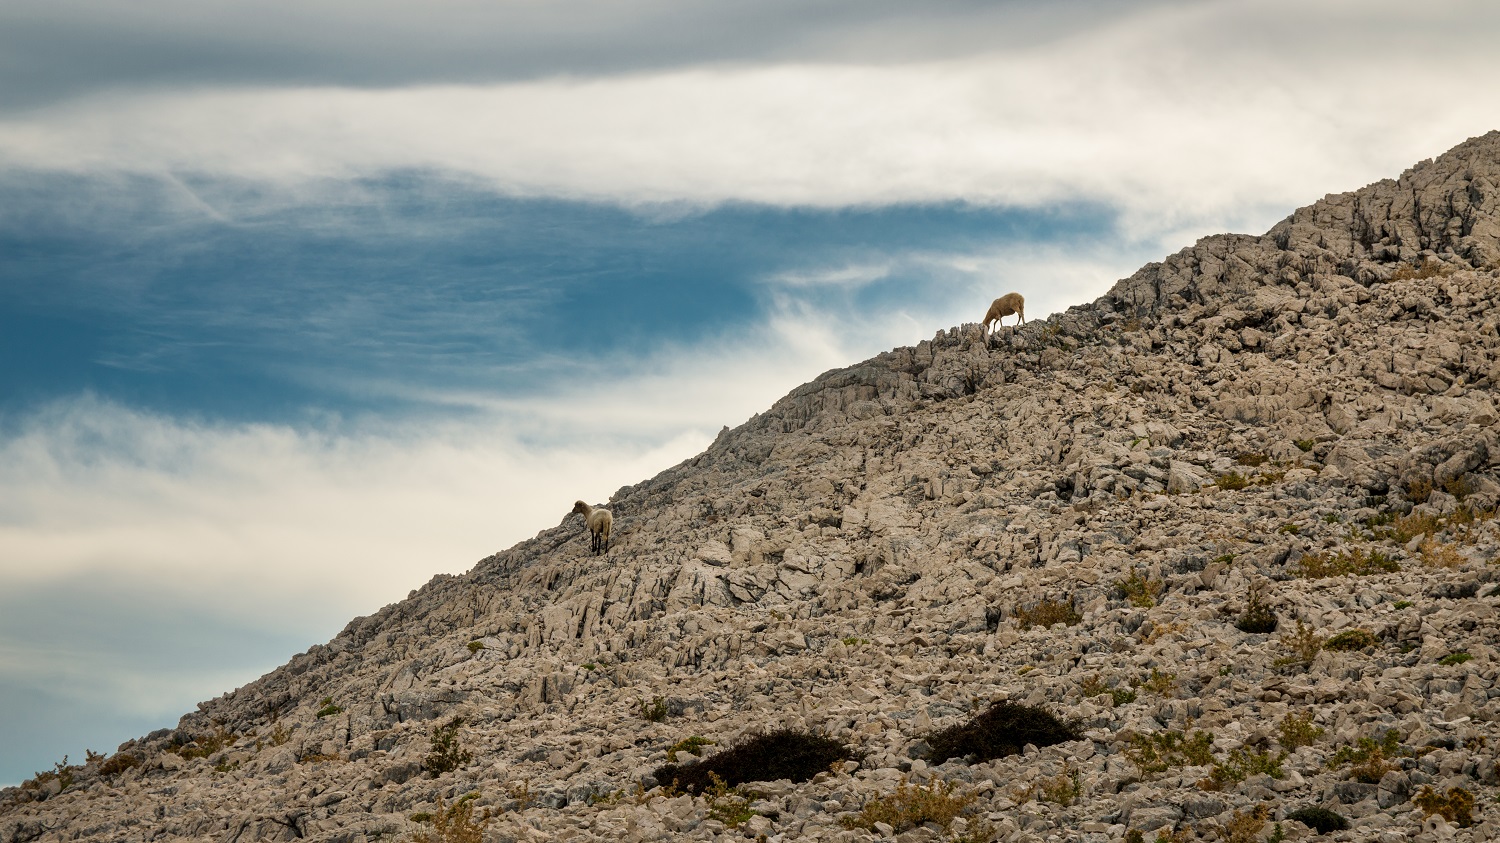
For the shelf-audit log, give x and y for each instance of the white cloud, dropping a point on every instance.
(1162, 115)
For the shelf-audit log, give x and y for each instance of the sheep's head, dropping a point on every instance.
(582, 507)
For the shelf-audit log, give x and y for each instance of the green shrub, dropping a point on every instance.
(1302, 646)
(1351, 639)
(202, 746)
(446, 755)
(1251, 460)
(762, 757)
(1258, 617)
(1454, 658)
(1046, 613)
(1233, 481)
(1140, 591)
(728, 805)
(454, 823)
(1304, 445)
(1155, 753)
(1318, 819)
(1298, 730)
(1003, 729)
(1354, 561)
(655, 711)
(1241, 764)
(1368, 759)
(911, 806)
(475, 646)
(329, 708)
(1456, 806)
(1245, 826)
(692, 745)
(119, 763)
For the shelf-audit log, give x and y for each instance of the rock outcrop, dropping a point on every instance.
(1302, 424)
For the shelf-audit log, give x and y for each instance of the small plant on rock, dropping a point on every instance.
(655, 711)
(910, 806)
(1302, 647)
(1355, 561)
(1454, 658)
(1003, 729)
(454, 823)
(693, 745)
(1046, 613)
(1351, 639)
(329, 708)
(1318, 819)
(475, 646)
(446, 755)
(1245, 826)
(1258, 617)
(1160, 683)
(119, 763)
(1297, 730)
(1062, 789)
(1233, 481)
(1241, 764)
(728, 805)
(1368, 759)
(1436, 554)
(202, 746)
(1456, 806)
(1140, 591)
(1155, 753)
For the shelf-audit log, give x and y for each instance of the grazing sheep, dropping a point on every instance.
(1003, 307)
(599, 521)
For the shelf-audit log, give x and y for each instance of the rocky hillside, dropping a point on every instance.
(1101, 516)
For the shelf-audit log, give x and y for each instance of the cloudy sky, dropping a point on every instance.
(305, 301)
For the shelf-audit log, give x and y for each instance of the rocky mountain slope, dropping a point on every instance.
(1098, 515)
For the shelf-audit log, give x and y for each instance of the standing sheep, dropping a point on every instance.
(1010, 303)
(599, 521)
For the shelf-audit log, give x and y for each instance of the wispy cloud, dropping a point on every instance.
(1158, 115)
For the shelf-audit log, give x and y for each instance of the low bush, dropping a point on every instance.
(1258, 617)
(1139, 590)
(1454, 658)
(1302, 647)
(1003, 729)
(1046, 613)
(1318, 819)
(1298, 730)
(454, 823)
(119, 763)
(446, 755)
(761, 757)
(1355, 561)
(1155, 753)
(1351, 639)
(910, 806)
(1368, 759)
(1456, 806)
(655, 711)
(1241, 764)
(691, 745)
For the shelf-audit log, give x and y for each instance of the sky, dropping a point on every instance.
(304, 302)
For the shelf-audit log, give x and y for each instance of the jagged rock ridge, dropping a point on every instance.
(861, 560)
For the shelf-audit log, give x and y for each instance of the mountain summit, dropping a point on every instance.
(1228, 532)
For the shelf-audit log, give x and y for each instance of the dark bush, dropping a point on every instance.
(1320, 820)
(1003, 729)
(761, 757)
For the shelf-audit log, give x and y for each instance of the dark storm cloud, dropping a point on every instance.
(51, 50)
